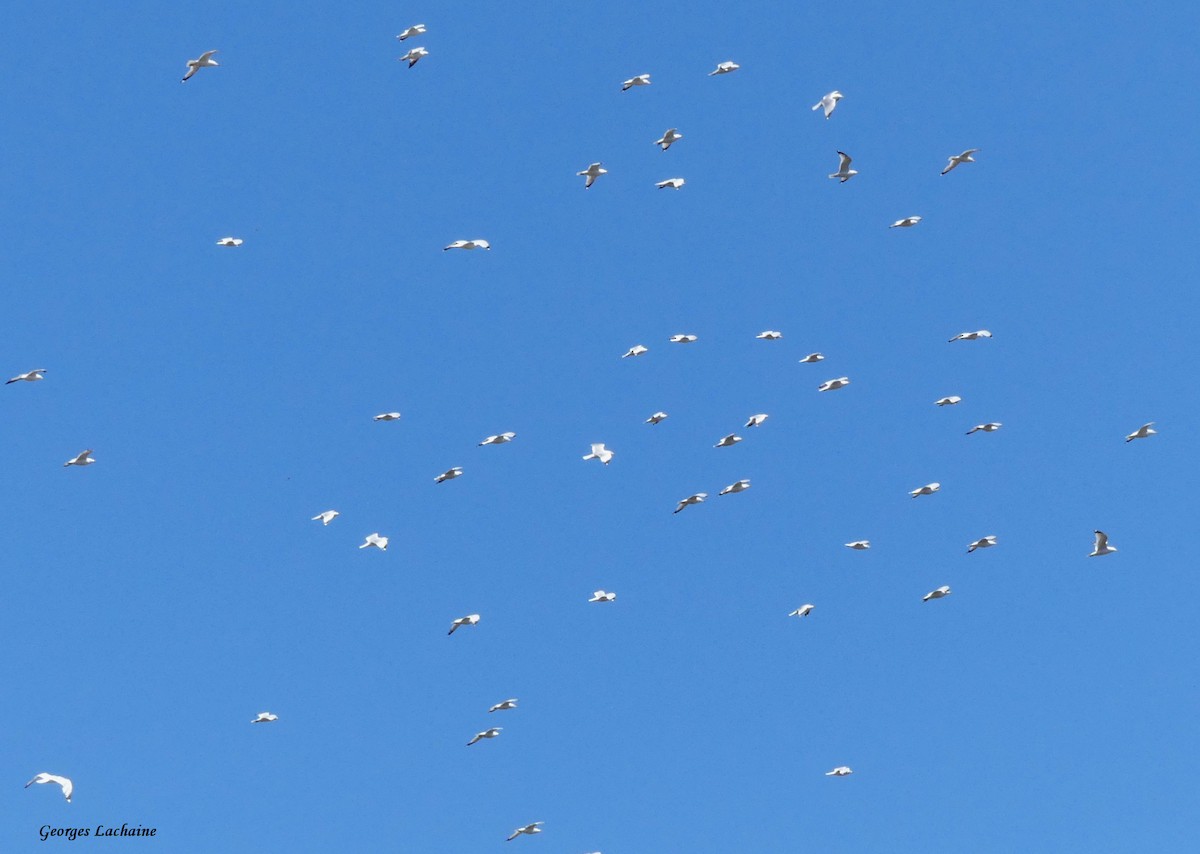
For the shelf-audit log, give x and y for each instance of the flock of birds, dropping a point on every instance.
(827, 104)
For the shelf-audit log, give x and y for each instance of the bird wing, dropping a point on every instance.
(205, 57)
(591, 179)
(953, 162)
(515, 834)
(1101, 541)
(845, 161)
(191, 70)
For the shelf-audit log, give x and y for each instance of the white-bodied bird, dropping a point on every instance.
(656, 418)
(982, 543)
(387, 416)
(971, 336)
(504, 705)
(802, 611)
(728, 441)
(82, 460)
(326, 517)
(591, 173)
(684, 339)
(757, 420)
(469, 620)
(635, 350)
(498, 439)
(948, 401)
(601, 453)
(414, 56)
(414, 30)
(230, 241)
(859, 545)
(528, 830)
(942, 591)
(449, 474)
(375, 540)
(907, 222)
(698, 498)
(265, 718)
(491, 732)
(671, 136)
(724, 68)
(769, 335)
(840, 771)
(957, 159)
(844, 173)
(829, 102)
(927, 489)
(205, 61)
(640, 80)
(1101, 546)
(990, 427)
(673, 183)
(833, 385)
(67, 785)
(741, 486)
(28, 376)
(603, 596)
(812, 358)
(1140, 433)
(477, 243)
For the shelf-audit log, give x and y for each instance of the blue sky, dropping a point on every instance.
(158, 600)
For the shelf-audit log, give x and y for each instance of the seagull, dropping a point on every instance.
(724, 68)
(907, 222)
(1101, 546)
(82, 460)
(942, 591)
(728, 441)
(194, 65)
(326, 517)
(592, 173)
(414, 56)
(829, 102)
(741, 486)
(927, 489)
(602, 596)
(529, 829)
(67, 785)
(34, 376)
(468, 244)
(990, 427)
(757, 420)
(265, 718)
(840, 771)
(982, 543)
(948, 401)
(640, 80)
(971, 336)
(230, 241)
(834, 385)
(656, 418)
(1140, 433)
(601, 453)
(414, 30)
(672, 135)
(469, 620)
(504, 705)
(844, 173)
(698, 498)
(673, 183)
(769, 335)
(683, 339)
(813, 357)
(449, 474)
(956, 159)
(498, 440)
(802, 611)
(859, 545)
(487, 733)
(375, 540)
(387, 416)
(636, 350)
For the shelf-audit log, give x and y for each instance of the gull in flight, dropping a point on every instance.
(844, 173)
(601, 453)
(833, 385)
(802, 611)
(414, 56)
(504, 705)
(414, 30)
(387, 416)
(927, 489)
(813, 357)
(636, 350)
(1140, 433)
(34, 376)
(640, 80)
(265, 718)
(205, 61)
(326, 517)
(684, 339)
(1101, 546)
(907, 222)
(82, 460)
(449, 474)
(468, 244)
(593, 172)
(67, 785)
(728, 441)
(741, 486)
(673, 183)
(672, 135)
(602, 596)
(498, 440)
(724, 68)
(990, 427)
(840, 771)
(982, 543)
(757, 420)
(859, 545)
(948, 401)
(769, 335)
(528, 829)
(656, 418)
(971, 336)
(469, 620)
(957, 159)
(698, 498)
(829, 102)
(375, 540)
(487, 733)
(942, 591)
(230, 241)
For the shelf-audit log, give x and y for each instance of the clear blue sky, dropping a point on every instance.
(157, 600)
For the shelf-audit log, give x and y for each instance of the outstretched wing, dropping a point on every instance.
(845, 161)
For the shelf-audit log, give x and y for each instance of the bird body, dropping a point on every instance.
(829, 102)
(757, 420)
(414, 56)
(971, 336)
(67, 786)
(414, 30)
(942, 591)
(487, 733)
(670, 137)
(326, 517)
(28, 376)
(656, 418)
(1140, 433)
(387, 416)
(205, 60)
(927, 489)
(527, 830)
(769, 335)
(499, 439)
(265, 718)
(840, 771)
(812, 358)
(907, 222)
(990, 427)
(504, 705)
(230, 241)
(697, 498)
(741, 486)
(601, 453)
(469, 620)
(948, 401)
(449, 474)
(859, 545)
(802, 611)
(376, 541)
(684, 339)
(673, 183)
(477, 243)
(591, 173)
(724, 68)
(636, 350)
(1101, 546)
(603, 596)
(640, 80)
(727, 441)
(958, 159)
(844, 173)
(982, 543)
(834, 385)
(82, 460)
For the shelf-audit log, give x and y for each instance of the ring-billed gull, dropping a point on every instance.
(927, 489)
(724, 68)
(740, 486)
(697, 498)
(812, 357)
(499, 439)
(942, 591)
(449, 474)
(684, 339)
(907, 222)
(844, 173)
(1101, 546)
(840, 771)
(769, 335)
(990, 427)
(414, 30)
(656, 418)
(414, 56)
(603, 596)
(477, 243)
(528, 830)
(833, 385)
(1140, 433)
(491, 732)
(82, 460)
(948, 401)
(230, 241)
(669, 138)
(829, 102)
(727, 441)
(971, 336)
(504, 705)
(326, 517)
(956, 159)
(635, 350)
(640, 80)
(859, 545)
(591, 173)
(673, 183)
(67, 786)
(601, 453)
(469, 620)
(28, 376)
(982, 543)
(802, 611)
(265, 718)
(204, 61)
(387, 416)
(375, 540)
(757, 420)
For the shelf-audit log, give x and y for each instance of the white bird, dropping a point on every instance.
(990, 427)
(844, 173)
(727, 441)
(528, 829)
(684, 339)
(656, 418)
(449, 474)
(840, 771)
(635, 350)
(1140, 433)
(34, 376)
(414, 30)
(698, 498)
(640, 80)
(829, 102)
(602, 596)
(500, 439)
(82, 460)
(375, 540)
(956, 159)
(1101, 546)
(859, 545)
(672, 135)
(724, 68)
(769, 335)
(757, 420)
(834, 385)
(504, 705)
(741, 486)
(477, 243)
(948, 401)
(67, 785)
(194, 65)
(230, 241)
(387, 416)
(591, 173)
(265, 718)
(414, 56)
(469, 620)
(326, 517)
(982, 543)
(944, 590)
(813, 357)
(673, 183)
(907, 222)
(601, 453)
(927, 489)
(971, 336)
(487, 733)
(802, 611)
